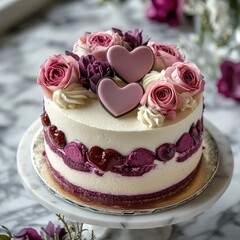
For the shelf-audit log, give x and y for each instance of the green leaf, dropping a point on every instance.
(4, 237)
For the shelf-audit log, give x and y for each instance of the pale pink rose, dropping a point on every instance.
(58, 72)
(96, 43)
(186, 77)
(165, 55)
(163, 97)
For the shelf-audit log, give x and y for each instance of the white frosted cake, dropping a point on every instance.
(122, 118)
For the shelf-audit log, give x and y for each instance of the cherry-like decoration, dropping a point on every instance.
(57, 137)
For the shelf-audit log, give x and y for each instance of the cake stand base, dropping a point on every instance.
(127, 227)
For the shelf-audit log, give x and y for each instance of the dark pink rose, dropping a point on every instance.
(186, 77)
(96, 43)
(162, 97)
(165, 55)
(58, 72)
(168, 11)
(27, 234)
(229, 83)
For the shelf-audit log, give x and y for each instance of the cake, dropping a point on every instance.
(122, 118)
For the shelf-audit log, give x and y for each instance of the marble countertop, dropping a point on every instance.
(23, 50)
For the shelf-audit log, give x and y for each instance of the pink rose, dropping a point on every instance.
(229, 83)
(186, 77)
(162, 97)
(96, 43)
(58, 72)
(165, 55)
(168, 11)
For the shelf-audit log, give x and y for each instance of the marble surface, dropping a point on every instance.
(24, 49)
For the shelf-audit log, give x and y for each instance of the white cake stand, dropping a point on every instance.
(136, 227)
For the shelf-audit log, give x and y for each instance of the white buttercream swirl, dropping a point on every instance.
(151, 77)
(150, 117)
(187, 101)
(72, 96)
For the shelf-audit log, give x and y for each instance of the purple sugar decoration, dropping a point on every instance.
(195, 134)
(185, 155)
(140, 157)
(74, 152)
(93, 70)
(166, 152)
(184, 143)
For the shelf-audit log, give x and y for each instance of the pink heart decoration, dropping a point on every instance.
(116, 100)
(130, 66)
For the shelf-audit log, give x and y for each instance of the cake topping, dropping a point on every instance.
(116, 100)
(93, 70)
(165, 55)
(97, 43)
(131, 66)
(150, 117)
(98, 58)
(163, 97)
(72, 96)
(58, 72)
(186, 77)
(187, 101)
(152, 77)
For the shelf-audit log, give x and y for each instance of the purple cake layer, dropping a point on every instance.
(99, 197)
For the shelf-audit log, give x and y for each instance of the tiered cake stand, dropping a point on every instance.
(127, 226)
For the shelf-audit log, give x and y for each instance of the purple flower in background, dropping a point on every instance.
(54, 232)
(168, 11)
(27, 234)
(133, 38)
(92, 70)
(229, 83)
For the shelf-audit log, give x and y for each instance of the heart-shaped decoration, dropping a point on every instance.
(130, 66)
(104, 159)
(119, 101)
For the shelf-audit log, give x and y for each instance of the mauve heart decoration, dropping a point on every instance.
(116, 100)
(130, 67)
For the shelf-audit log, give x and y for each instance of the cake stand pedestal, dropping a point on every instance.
(132, 227)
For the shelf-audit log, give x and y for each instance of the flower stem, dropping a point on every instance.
(65, 225)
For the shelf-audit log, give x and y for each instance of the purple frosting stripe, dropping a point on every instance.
(138, 162)
(113, 199)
